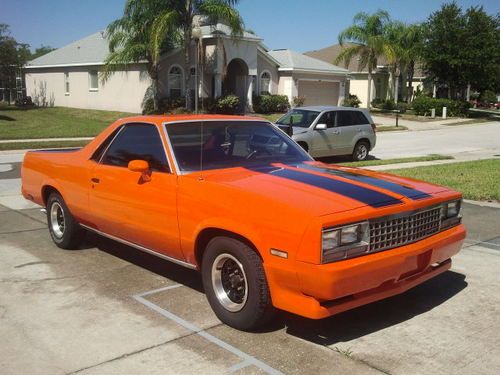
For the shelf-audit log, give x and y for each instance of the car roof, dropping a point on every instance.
(321, 108)
(159, 119)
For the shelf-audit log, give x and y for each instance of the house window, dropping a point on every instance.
(93, 80)
(66, 83)
(265, 83)
(175, 81)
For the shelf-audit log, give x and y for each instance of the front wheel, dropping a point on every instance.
(235, 284)
(361, 151)
(64, 229)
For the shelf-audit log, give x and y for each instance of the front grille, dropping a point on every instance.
(394, 231)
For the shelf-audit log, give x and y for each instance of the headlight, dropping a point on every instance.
(345, 242)
(450, 213)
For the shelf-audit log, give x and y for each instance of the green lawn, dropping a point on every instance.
(56, 122)
(368, 163)
(477, 180)
(390, 128)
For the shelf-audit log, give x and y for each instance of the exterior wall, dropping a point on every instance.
(358, 86)
(263, 64)
(124, 91)
(287, 86)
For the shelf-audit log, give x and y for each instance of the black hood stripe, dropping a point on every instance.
(383, 184)
(370, 197)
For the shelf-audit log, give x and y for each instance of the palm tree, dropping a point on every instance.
(405, 41)
(130, 41)
(367, 41)
(182, 15)
(149, 28)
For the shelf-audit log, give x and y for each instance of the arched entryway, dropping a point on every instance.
(236, 81)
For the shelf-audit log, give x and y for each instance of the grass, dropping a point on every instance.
(55, 122)
(477, 180)
(40, 145)
(470, 122)
(269, 116)
(368, 163)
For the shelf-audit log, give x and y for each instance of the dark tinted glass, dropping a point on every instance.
(137, 142)
(96, 156)
(226, 144)
(346, 118)
(327, 118)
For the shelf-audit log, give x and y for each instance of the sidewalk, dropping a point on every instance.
(417, 125)
(45, 139)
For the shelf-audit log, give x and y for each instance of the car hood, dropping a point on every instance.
(322, 189)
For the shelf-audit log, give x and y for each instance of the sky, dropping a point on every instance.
(296, 24)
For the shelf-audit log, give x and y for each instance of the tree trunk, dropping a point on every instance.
(187, 63)
(369, 96)
(153, 73)
(396, 89)
(411, 73)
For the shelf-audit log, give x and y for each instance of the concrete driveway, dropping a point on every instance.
(108, 309)
(462, 141)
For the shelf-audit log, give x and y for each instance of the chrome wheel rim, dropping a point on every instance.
(229, 282)
(362, 152)
(57, 222)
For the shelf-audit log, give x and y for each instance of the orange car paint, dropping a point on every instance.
(169, 212)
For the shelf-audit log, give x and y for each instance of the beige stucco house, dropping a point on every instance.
(358, 82)
(69, 76)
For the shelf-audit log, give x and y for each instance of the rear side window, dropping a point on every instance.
(347, 118)
(137, 142)
(96, 156)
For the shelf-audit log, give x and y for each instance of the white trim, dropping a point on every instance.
(314, 71)
(142, 248)
(183, 78)
(89, 73)
(270, 81)
(319, 80)
(75, 64)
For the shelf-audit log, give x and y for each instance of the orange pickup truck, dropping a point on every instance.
(234, 197)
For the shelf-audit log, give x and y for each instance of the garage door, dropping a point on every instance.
(319, 92)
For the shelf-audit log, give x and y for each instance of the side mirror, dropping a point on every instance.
(141, 166)
(320, 127)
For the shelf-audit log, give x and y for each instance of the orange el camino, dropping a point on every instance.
(235, 198)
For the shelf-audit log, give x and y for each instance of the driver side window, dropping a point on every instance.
(328, 118)
(137, 142)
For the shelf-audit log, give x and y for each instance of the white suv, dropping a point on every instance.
(327, 131)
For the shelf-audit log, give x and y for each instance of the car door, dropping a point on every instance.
(347, 122)
(325, 141)
(129, 206)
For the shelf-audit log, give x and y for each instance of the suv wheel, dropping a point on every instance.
(361, 151)
(64, 229)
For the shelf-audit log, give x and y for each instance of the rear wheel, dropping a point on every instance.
(64, 229)
(235, 284)
(361, 151)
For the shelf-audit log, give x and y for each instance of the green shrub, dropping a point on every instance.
(488, 96)
(422, 106)
(298, 101)
(402, 107)
(164, 105)
(229, 104)
(271, 103)
(351, 101)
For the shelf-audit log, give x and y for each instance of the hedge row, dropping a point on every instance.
(422, 105)
(270, 103)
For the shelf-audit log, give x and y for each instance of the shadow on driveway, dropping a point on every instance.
(339, 328)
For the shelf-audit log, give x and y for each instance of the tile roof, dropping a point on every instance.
(291, 60)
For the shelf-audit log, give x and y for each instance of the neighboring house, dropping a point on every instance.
(243, 66)
(358, 83)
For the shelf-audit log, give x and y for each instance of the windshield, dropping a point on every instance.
(301, 118)
(224, 144)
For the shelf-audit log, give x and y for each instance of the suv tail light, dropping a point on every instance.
(374, 127)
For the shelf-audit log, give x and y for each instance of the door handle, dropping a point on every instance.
(336, 132)
(95, 180)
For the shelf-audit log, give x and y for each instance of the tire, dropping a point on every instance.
(361, 151)
(244, 310)
(64, 229)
